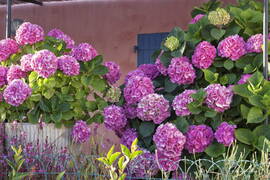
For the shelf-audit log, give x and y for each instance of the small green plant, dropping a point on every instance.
(60, 175)
(117, 169)
(16, 166)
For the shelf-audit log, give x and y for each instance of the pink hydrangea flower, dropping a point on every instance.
(153, 107)
(7, 48)
(181, 102)
(80, 132)
(218, 97)
(84, 52)
(204, 55)
(254, 43)
(69, 65)
(150, 70)
(113, 74)
(161, 68)
(196, 18)
(15, 72)
(232, 47)
(45, 63)
(114, 117)
(136, 88)
(225, 134)
(181, 71)
(169, 140)
(167, 163)
(244, 79)
(58, 34)
(128, 136)
(134, 73)
(29, 33)
(130, 111)
(26, 61)
(16, 92)
(3, 75)
(198, 138)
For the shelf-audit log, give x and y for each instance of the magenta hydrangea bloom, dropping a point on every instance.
(113, 74)
(114, 117)
(84, 52)
(45, 63)
(254, 43)
(150, 70)
(218, 97)
(29, 33)
(181, 102)
(198, 138)
(232, 47)
(16, 92)
(180, 176)
(58, 34)
(7, 48)
(136, 88)
(15, 72)
(204, 55)
(169, 140)
(181, 71)
(244, 78)
(153, 107)
(161, 68)
(167, 163)
(128, 136)
(130, 111)
(225, 134)
(69, 65)
(26, 61)
(80, 132)
(196, 18)
(3, 75)
(134, 73)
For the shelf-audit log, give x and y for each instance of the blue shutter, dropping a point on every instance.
(147, 45)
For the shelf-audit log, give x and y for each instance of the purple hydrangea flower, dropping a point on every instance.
(45, 63)
(128, 136)
(218, 97)
(232, 47)
(169, 140)
(204, 55)
(225, 134)
(15, 72)
(16, 92)
(3, 75)
(181, 102)
(150, 70)
(244, 79)
(254, 43)
(136, 88)
(113, 74)
(167, 163)
(198, 138)
(7, 48)
(196, 18)
(114, 117)
(130, 111)
(84, 52)
(69, 65)
(153, 107)
(29, 33)
(58, 34)
(180, 176)
(80, 132)
(134, 73)
(26, 61)
(181, 71)
(161, 68)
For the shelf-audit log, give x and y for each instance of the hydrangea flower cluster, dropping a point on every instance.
(130, 111)
(3, 75)
(150, 70)
(161, 68)
(244, 78)
(128, 136)
(29, 33)
(153, 107)
(136, 88)
(218, 97)
(69, 65)
(225, 134)
(58, 34)
(45, 63)
(26, 61)
(172, 43)
(181, 71)
(80, 132)
(196, 18)
(204, 55)
(167, 163)
(84, 52)
(134, 73)
(198, 138)
(232, 47)
(7, 48)
(16, 92)
(180, 103)
(219, 17)
(114, 117)
(254, 43)
(113, 74)
(113, 94)
(15, 72)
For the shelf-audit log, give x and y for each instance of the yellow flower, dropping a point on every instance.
(219, 17)
(172, 43)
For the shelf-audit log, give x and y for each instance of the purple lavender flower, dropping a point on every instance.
(196, 18)
(29, 33)
(69, 65)
(150, 70)
(26, 61)
(114, 117)
(84, 52)
(225, 134)
(80, 132)
(113, 74)
(7, 48)
(129, 135)
(244, 79)
(254, 43)
(15, 72)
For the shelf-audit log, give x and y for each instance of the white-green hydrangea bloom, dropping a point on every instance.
(219, 17)
(172, 43)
